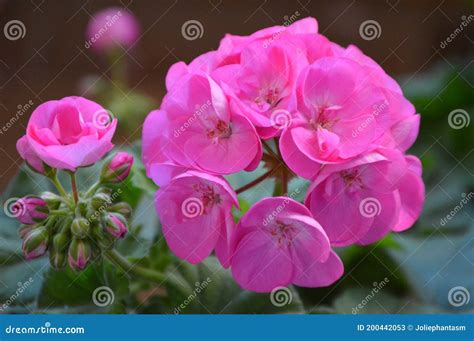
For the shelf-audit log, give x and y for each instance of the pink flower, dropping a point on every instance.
(231, 47)
(404, 122)
(112, 28)
(196, 130)
(118, 168)
(30, 210)
(195, 211)
(261, 85)
(278, 243)
(363, 200)
(68, 133)
(338, 115)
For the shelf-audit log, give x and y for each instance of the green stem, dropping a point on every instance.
(148, 274)
(74, 187)
(255, 182)
(54, 179)
(92, 189)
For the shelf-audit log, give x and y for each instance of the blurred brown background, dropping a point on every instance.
(49, 61)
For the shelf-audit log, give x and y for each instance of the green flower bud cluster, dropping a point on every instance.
(75, 228)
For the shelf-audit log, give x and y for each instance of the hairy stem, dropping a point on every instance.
(148, 274)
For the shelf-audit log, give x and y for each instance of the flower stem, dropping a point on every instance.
(74, 187)
(54, 179)
(255, 182)
(148, 274)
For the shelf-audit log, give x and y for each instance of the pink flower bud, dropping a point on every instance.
(79, 254)
(117, 169)
(112, 28)
(30, 210)
(35, 243)
(116, 225)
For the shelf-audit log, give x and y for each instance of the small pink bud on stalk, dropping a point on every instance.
(117, 169)
(35, 243)
(116, 225)
(79, 254)
(30, 210)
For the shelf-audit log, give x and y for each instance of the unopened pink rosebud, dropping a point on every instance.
(117, 169)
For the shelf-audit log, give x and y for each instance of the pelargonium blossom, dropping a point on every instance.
(336, 118)
(363, 200)
(333, 116)
(278, 243)
(195, 211)
(201, 133)
(66, 134)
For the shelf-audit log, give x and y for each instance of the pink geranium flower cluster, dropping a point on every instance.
(339, 121)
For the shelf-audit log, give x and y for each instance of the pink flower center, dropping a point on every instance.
(221, 130)
(268, 97)
(283, 233)
(352, 180)
(207, 195)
